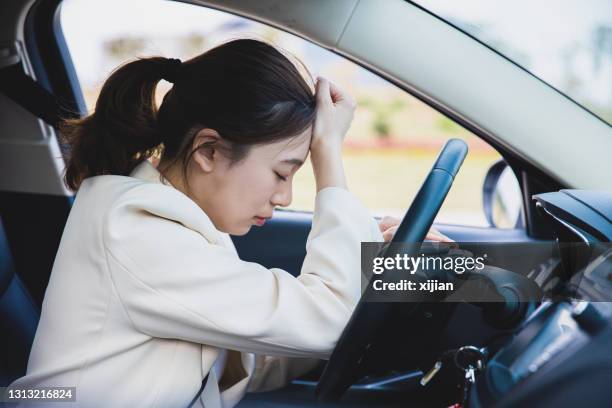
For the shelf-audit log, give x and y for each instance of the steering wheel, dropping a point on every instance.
(369, 317)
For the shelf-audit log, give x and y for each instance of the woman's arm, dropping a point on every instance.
(173, 283)
(335, 110)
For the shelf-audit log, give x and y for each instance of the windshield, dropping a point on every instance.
(566, 43)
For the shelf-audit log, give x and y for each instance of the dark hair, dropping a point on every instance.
(246, 90)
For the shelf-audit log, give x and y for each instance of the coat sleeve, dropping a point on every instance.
(272, 372)
(173, 283)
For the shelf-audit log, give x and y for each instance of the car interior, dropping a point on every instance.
(553, 351)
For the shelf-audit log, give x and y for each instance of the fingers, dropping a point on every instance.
(388, 222)
(328, 92)
(438, 236)
(339, 96)
(335, 93)
(323, 93)
(389, 233)
(390, 228)
(332, 119)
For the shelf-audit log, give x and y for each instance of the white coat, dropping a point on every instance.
(146, 297)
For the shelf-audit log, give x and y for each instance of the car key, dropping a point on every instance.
(469, 359)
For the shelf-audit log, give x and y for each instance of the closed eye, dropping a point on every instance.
(283, 178)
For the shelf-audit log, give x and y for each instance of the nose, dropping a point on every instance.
(282, 197)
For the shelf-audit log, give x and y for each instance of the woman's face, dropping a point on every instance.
(240, 195)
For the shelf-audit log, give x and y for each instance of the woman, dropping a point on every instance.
(147, 296)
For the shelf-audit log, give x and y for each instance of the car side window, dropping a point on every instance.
(394, 138)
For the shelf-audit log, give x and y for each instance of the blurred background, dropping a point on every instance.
(394, 138)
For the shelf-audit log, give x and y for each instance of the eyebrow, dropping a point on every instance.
(296, 162)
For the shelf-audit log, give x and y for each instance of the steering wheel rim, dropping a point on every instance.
(368, 317)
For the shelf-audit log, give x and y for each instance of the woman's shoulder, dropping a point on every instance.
(132, 207)
(108, 191)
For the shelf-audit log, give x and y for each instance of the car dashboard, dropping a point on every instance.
(560, 356)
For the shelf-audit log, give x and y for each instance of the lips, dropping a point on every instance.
(261, 220)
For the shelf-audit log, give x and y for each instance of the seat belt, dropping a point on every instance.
(29, 94)
(204, 381)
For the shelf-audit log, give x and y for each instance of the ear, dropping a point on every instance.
(206, 154)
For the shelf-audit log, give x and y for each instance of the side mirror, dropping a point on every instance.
(502, 197)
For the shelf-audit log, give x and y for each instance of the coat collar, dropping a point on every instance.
(183, 209)
(146, 171)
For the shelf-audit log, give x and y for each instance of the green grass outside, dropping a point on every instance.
(387, 181)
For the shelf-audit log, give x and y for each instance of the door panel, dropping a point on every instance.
(280, 243)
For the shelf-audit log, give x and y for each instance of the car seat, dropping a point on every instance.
(19, 317)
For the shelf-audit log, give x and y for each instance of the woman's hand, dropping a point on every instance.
(335, 109)
(388, 226)
(334, 114)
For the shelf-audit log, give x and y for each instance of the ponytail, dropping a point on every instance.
(122, 132)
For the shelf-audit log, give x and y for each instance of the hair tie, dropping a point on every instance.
(171, 68)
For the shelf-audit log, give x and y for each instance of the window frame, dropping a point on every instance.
(44, 23)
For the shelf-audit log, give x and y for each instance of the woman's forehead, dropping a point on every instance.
(291, 149)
